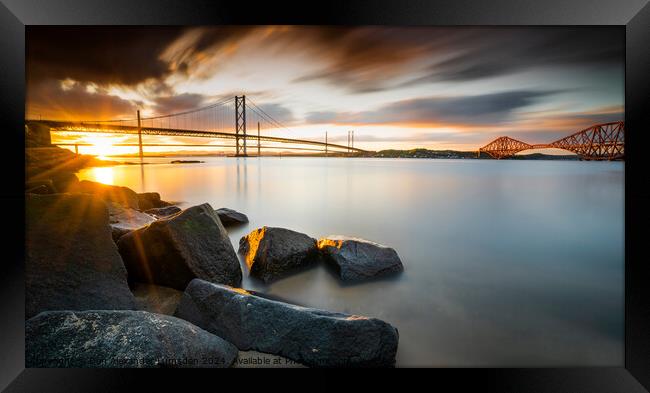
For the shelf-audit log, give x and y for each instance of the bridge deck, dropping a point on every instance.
(70, 126)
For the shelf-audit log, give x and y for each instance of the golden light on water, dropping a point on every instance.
(103, 175)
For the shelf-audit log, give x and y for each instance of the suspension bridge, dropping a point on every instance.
(235, 118)
(599, 142)
(231, 118)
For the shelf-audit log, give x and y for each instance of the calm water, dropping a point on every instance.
(507, 263)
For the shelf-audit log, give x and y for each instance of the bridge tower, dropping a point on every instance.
(240, 126)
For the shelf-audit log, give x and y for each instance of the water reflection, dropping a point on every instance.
(506, 263)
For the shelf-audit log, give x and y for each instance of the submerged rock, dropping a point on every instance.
(231, 217)
(272, 252)
(122, 195)
(121, 339)
(150, 200)
(160, 212)
(308, 336)
(156, 298)
(358, 259)
(71, 261)
(174, 250)
(124, 220)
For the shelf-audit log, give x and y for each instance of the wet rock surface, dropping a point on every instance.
(150, 200)
(357, 259)
(160, 212)
(172, 251)
(312, 337)
(92, 339)
(271, 253)
(124, 220)
(71, 261)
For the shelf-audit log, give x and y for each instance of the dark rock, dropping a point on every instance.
(358, 259)
(186, 162)
(155, 298)
(121, 339)
(150, 200)
(72, 262)
(231, 217)
(124, 220)
(272, 252)
(45, 162)
(64, 180)
(37, 135)
(174, 250)
(122, 195)
(160, 212)
(308, 336)
(40, 187)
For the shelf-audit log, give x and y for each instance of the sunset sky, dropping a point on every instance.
(439, 88)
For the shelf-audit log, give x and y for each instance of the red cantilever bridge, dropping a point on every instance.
(598, 142)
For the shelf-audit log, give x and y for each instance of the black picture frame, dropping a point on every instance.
(633, 14)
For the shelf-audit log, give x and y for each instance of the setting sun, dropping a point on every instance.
(102, 146)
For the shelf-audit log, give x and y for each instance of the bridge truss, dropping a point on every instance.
(599, 142)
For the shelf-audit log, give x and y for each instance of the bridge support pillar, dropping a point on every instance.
(259, 146)
(240, 126)
(140, 137)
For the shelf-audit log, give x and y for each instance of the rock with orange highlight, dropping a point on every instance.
(315, 338)
(358, 259)
(174, 250)
(122, 195)
(271, 252)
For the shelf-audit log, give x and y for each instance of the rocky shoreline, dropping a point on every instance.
(116, 278)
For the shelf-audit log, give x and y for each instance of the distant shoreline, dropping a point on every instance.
(412, 153)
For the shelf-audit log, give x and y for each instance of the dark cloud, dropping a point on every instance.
(201, 44)
(364, 59)
(372, 59)
(103, 55)
(481, 109)
(179, 103)
(48, 100)
(496, 52)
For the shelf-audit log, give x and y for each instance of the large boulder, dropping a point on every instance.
(150, 200)
(174, 250)
(308, 336)
(156, 298)
(160, 212)
(271, 253)
(64, 180)
(121, 339)
(357, 259)
(124, 220)
(122, 195)
(37, 135)
(230, 217)
(72, 262)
